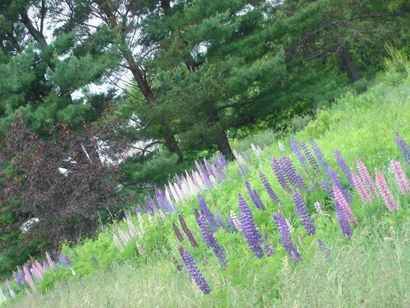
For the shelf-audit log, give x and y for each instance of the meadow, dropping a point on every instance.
(349, 245)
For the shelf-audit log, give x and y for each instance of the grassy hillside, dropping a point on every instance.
(369, 269)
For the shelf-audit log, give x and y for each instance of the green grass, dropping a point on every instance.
(371, 269)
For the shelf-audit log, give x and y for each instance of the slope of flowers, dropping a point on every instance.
(273, 204)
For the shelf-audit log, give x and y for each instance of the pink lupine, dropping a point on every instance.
(50, 261)
(400, 177)
(385, 192)
(360, 188)
(342, 202)
(28, 278)
(366, 178)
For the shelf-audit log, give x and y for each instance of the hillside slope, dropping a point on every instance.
(370, 268)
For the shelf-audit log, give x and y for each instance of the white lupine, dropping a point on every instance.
(318, 208)
(235, 220)
(173, 192)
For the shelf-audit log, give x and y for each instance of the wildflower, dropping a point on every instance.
(268, 187)
(404, 148)
(255, 196)
(280, 175)
(319, 155)
(235, 221)
(366, 178)
(187, 231)
(385, 192)
(65, 261)
(285, 238)
(400, 177)
(292, 175)
(209, 238)
(342, 202)
(326, 187)
(318, 208)
(343, 220)
(360, 188)
(302, 212)
(309, 156)
(163, 202)
(344, 167)
(335, 180)
(323, 249)
(207, 213)
(220, 221)
(248, 227)
(177, 232)
(268, 247)
(194, 271)
(294, 144)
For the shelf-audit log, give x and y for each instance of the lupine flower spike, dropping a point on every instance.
(360, 188)
(342, 202)
(285, 238)
(302, 212)
(400, 177)
(404, 148)
(248, 227)
(255, 196)
(323, 249)
(280, 175)
(187, 231)
(366, 178)
(207, 213)
(344, 167)
(194, 271)
(268, 187)
(343, 220)
(385, 192)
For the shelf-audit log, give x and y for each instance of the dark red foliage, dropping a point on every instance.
(67, 206)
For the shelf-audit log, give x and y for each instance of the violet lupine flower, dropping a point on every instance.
(285, 238)
(344, 167)
(248, 227)
(65, 261)
(268, 247)
(319, 155)
(404, 148)
(255, 197)
(235, 220)
(342, 202)
(360, 188)
(309, 156)
(220, 221)
(231, 224)
(207, 213)
(209, 238)
(400, 177)
(19, 277)
(323, 249)
(203, 174)
(268, 187)
(326, 187)
(163, 202)
(280, 175)
(343, 220)
(187, 231)
(28, 278)
(385, 192)
(302, 212)
(294, 144)
(194, 271)
(366, 178)
(177, 232)
(335, 180)
(292, 175)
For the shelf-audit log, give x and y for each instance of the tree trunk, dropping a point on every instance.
(348, 65)
(223, 144)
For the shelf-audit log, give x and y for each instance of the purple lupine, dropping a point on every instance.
(400, 177)
(231, 224)
(203, 174)
(294, 144)
(360, 188)
(341, 200)
(163, 202)
(209, 238)
(285, 238)
(385, 192)
(309, 156)
(248, 227)
(344, 167)
(194, 271)
(336, 181)
(326, 187)
(268, 187)
(268, 247)
(323, 248)
(366, 178)
(255, 196)
(319, 155)
(343, 220)
(292, 175)
(220, 221)
(302, 212)
(188, 232)
(19, 277)
(404, 148)
(177, 232)
(207, 213)
(65, 261)
(280, 175)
